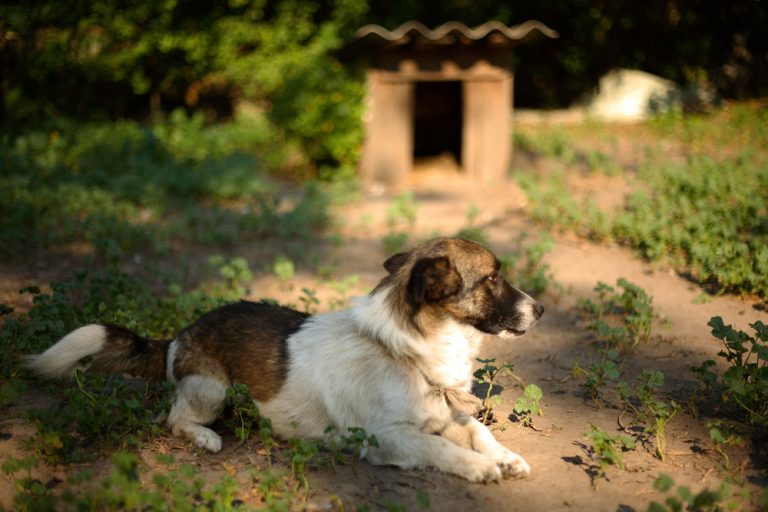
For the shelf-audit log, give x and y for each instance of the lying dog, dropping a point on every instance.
(390, 364)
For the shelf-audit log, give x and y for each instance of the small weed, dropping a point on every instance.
(309, 300)
(273, 489)
(704, 374)
(721, 435)
(599, 373)
(359, 441)
(487, 375)
(302, 451)
(31, 494)
(356, 443)
(283, 268)
(401, 216)
(472, 231)
(235, 276)
(342, 288)
(529, 405)
(648, 409)
(606, 450)
(245, 415)
(525, 266)
(718, 500)
(633, 307)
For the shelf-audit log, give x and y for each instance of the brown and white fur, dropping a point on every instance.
(389, 364)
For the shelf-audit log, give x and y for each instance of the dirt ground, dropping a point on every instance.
(561, 466)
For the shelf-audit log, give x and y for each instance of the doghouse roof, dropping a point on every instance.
(493, 32)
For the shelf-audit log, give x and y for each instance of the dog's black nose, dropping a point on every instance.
(538, 309)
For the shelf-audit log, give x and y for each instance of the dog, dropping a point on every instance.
(392, 364)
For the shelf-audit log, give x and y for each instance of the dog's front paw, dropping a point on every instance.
(209, 440)
(513, 466)
(482, 469)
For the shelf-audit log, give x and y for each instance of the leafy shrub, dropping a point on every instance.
(552, 204)
(745, 382)
(97, 415)
(633, 307)
(704, 213)
(124, 187)
(708, 216)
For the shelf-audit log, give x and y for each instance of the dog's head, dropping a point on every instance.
(461, 279)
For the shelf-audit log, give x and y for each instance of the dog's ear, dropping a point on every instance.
(394, 263)
(433, 280)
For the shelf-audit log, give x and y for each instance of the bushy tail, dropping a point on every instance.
(103, 349)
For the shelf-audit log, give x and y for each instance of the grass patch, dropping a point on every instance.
(123, 187)
(699, 200)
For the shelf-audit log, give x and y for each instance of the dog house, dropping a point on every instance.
(446, 91)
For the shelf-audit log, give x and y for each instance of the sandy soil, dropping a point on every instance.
(556, 449)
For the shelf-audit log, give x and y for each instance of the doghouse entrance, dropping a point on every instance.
(437, 123)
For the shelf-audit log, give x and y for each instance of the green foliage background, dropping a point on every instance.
(108, 59)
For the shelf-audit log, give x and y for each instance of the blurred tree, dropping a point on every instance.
(106, 59)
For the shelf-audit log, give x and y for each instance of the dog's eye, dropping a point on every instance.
(493, 278)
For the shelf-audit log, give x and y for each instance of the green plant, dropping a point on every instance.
(400, 218)
(745, 382)
(244, 412)
(302, 451)
(704, 374)
(487, 375)
(703, 213)
(284, 268)
(633, 307)
(599, 373)
(525, 266)
(357, 441)
(267, 441)
(125, 188)
(101, 413)
(648, 408)
(174, 488)
(235, 276)
(552, 204)
(31, 494)
(607, 449)
(273, 488)
(529, 405)
(721, 435)
(342, 287)
(706, 500)
(472, 231)
(309, 300)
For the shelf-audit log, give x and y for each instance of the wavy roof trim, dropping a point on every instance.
(514, 33)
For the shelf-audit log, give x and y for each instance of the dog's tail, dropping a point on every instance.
(102, 349)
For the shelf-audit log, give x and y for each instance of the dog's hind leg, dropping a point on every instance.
(199, 400)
